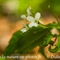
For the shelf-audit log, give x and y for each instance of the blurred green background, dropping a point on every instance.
(15, 8)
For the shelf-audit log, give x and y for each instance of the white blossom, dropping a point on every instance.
(30, 18)
(23, 30)
(37, 16)
(25, 26)
(33, 24)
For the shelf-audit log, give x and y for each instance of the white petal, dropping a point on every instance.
(33, 24)
(23, 16)
(23, 30)
(28, 10)
(30, 18)
(37, 16)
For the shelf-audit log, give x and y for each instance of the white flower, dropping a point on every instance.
(37, 16)
(23, 16)
(33, 24)
(30, 18)
(23, 30)
(33, 20)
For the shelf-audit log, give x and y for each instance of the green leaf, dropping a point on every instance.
(34, 36)
(42, 52)
(47, 39)
(13, 43)
(57, 48)
(25, 42)
(54, 50)
(58, 43)
(35, 42)
(29, 38)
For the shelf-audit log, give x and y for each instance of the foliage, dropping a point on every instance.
(2, 59)
(22, 43)
(32, 35)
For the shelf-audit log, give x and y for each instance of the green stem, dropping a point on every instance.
(54, 15)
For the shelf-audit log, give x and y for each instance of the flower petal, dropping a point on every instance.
(30, 18)
(23, 30)
(28, 10)
(23, 16)
(33, 24)
(37, 16)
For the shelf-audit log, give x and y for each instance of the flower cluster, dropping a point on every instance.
(33, 20)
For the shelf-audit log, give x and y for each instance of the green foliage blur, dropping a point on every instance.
(54, 6)
(37, 6)
(2, 59)
(22, 5)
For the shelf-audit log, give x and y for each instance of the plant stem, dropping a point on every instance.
(53, 14)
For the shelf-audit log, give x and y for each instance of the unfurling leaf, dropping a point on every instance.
(54, 50)
(47, 39)
(58, 43)
(57, 46)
